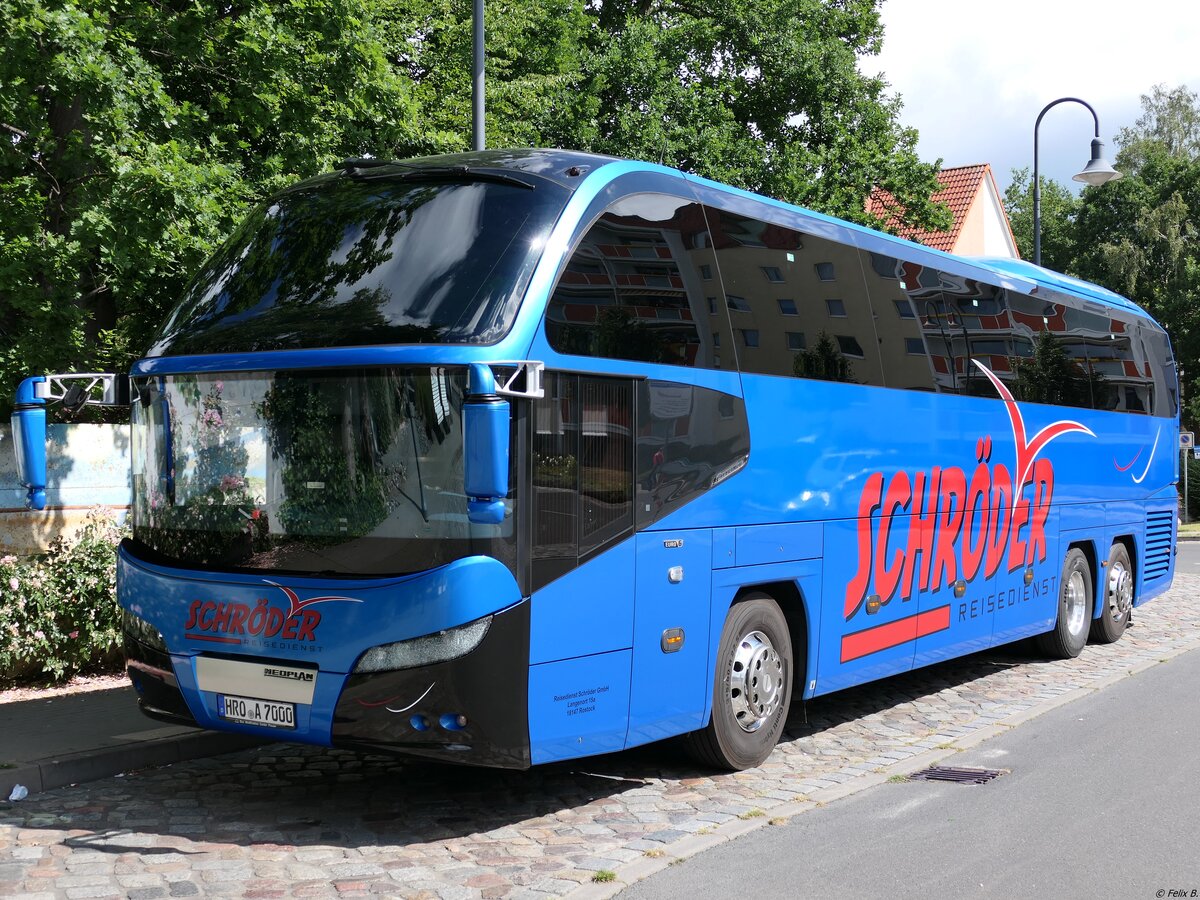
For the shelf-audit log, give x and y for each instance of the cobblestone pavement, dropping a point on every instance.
(289, 821)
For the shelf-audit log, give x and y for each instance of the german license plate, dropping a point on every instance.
(256, 712)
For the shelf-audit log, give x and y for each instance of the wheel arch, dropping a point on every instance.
(788, 595)
(1088, 547)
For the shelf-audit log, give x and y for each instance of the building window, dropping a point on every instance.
(706, 273)
(750, 337)
(716, 338)
(914, 346)
(795, 340)
(772, 274)
(824, 271)
(712, 306)
(850, 346)
(904, 308)
(737, 304)
(836, 308)
(787, 307)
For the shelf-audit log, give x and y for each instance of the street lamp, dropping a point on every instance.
(1096, 172)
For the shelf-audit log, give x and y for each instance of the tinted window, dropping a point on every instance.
(633, 288)
(582, 470)
(834, 336)
(340, 262)
(1050, 365)
(689, 439)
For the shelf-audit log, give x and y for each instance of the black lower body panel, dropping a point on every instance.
(471, 710)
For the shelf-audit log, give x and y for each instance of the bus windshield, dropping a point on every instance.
(347, 472)
(338, 262)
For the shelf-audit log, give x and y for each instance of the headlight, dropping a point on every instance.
(425, 650)
(141, 630)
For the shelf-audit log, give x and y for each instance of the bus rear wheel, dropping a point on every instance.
(752, 687)
(1067, 638)
(1118, 597)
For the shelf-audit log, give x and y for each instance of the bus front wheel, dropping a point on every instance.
(1070, 633)
(752, 687)
(1118, 597)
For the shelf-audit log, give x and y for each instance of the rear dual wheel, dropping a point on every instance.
(752, 687)
(1118, 597)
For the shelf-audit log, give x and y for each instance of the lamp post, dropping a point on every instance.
(478, 139)
(1096, 172)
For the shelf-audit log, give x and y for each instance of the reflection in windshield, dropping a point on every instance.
(337, 262)
(334, 473)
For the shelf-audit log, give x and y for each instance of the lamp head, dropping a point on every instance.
(1098, 171)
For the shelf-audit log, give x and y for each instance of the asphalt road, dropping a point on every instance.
(1187, 562)
(1102, 799)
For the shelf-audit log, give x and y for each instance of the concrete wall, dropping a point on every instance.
(87, 466)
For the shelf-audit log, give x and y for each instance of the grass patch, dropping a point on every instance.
(897, 779)
(751, 814)
(604, 875)
(778, 820)
(655, 853)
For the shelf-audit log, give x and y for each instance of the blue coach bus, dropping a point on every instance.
(519, 456)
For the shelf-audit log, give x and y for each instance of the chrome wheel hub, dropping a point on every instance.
(1075, 594)
(756, 680)
(1120, 591)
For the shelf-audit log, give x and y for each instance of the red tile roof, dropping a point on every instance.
(959, 187)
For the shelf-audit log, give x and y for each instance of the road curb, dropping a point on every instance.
(692, 845)
(91, 765)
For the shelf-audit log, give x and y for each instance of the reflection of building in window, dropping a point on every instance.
(632, 289)
(836, 308)
(772, 274)
(750, 337)
(849, 345)
(787, 307)
(737, 304)
(824, 271)
(795, 340)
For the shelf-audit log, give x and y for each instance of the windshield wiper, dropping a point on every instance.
(371, 170)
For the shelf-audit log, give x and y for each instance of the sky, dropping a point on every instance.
(973, 76)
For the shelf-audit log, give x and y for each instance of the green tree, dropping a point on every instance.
(137, 133)
(823, 361)
(1059, 209)
(762, 94)
(1139, 236)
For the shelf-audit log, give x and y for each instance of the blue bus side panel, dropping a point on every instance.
(674, 584)
(588, 610)
(859, 644)
(579, 707)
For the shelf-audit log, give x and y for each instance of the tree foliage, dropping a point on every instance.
(1059, 209)
(1140, 235)
(136, 133)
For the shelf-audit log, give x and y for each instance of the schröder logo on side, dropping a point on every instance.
(261, 624)
(959, 527)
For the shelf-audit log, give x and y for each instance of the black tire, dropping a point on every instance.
(1118, 597)
(752, 687)
(1069, 635)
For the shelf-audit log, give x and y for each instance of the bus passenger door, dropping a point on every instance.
(670, 682)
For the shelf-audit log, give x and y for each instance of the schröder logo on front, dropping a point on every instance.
(235, 623)
(959, 526)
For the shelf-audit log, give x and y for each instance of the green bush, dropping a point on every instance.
(58, 610)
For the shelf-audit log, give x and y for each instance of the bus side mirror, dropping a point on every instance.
(485, 447)
(29, 439)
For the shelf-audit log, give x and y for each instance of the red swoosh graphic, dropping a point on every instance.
(1121, 468)
(1027, 452)
(295, 604)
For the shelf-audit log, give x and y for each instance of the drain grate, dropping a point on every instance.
(957, 775)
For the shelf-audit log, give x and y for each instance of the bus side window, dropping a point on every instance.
(582, 470)
(797, 303)
(688, 440)
(639, 286)
(1050, 356)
